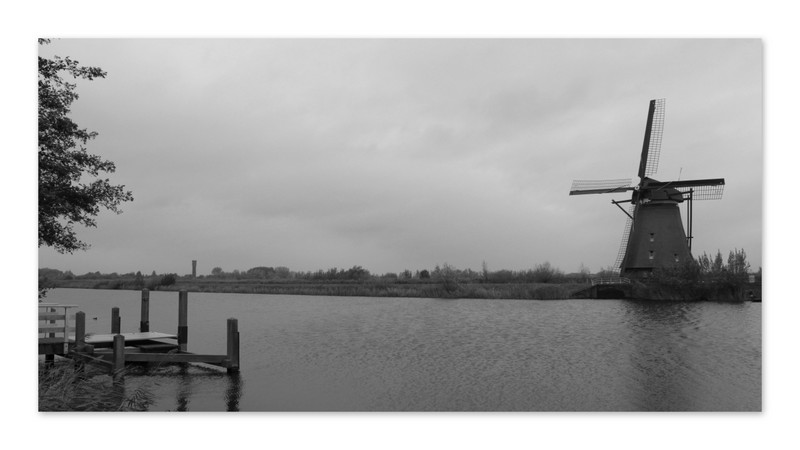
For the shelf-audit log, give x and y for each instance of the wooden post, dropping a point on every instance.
(66, 330)
(52, 321)
(183, 328)
(50, 359)
(118, 364)
(144, 324)
(115, 321)
(80, 330)
(233, 345)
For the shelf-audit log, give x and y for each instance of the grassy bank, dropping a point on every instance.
(348, 288)
(63, 386)
(667, 289)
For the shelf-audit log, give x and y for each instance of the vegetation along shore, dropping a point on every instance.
(706, 278)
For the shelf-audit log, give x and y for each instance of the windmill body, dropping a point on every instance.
(657, 238)
(654, 236)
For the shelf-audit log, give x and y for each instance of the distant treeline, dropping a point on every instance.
(542, 282)
(706, 277)
(542, 273)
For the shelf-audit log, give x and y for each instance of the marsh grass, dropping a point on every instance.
(65, 386)
(370, 288)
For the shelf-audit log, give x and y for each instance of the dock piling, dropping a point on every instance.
(50, 359)
(233, 345)
(118, 361)
(117, 349)
(183, 313)
(144, 324)
(80, 330)
(115, 321)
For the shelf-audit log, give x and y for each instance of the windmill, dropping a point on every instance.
(654, 236)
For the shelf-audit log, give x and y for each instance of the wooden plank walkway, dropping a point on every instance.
(118, 348)
(95, 339)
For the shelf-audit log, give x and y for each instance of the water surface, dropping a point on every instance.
(309, 353)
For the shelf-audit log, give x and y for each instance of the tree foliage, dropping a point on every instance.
(707, 277)
(71, 189)
(447, 276)
(168, 279)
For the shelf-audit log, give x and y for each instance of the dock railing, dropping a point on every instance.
(54, 326)
(610, 280)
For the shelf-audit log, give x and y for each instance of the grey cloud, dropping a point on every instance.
(395, 154)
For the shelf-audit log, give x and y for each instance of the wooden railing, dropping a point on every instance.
(610, 280)
(54, 324)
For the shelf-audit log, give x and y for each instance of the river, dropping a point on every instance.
(311, 353)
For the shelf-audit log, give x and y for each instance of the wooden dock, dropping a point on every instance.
(54, 329)
(116, 349)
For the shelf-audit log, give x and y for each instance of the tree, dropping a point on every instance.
(545, 273)
(356, 273)
(704, 262)
(138, 281)
(737, 263)
(585, 273)
(70, 190)
(717, 265)
(447, 275)
(260, 272)
(168, 279)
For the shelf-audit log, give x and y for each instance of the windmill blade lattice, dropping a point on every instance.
(648, 165)
(581, 187)
(704, 192)
(706, 189)
(626, 232)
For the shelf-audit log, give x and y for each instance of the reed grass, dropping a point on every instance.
(419, 289)
(65, 386)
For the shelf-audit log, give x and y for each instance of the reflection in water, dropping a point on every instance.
(657, 358)
(234, 391)
(184, 389)
(189, 386)
(689, 356)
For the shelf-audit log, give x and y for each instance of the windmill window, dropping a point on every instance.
(676, 257)
(652, 255)
(652, 237)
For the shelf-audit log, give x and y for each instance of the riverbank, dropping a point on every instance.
(429, 289)
(348, 288)
(63, 386)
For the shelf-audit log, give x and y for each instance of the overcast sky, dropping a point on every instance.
(405, 154)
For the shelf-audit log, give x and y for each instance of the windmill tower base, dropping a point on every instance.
(657, 240)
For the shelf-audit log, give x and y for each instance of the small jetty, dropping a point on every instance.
(57, 336)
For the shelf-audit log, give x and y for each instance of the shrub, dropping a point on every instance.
(168, 279)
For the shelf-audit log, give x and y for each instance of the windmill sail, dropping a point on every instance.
(704, 192)
(706, 189)
(582, 187)
(626, 234)
(654, 236)
(651, 148)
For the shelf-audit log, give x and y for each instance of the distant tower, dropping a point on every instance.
(194, 268)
